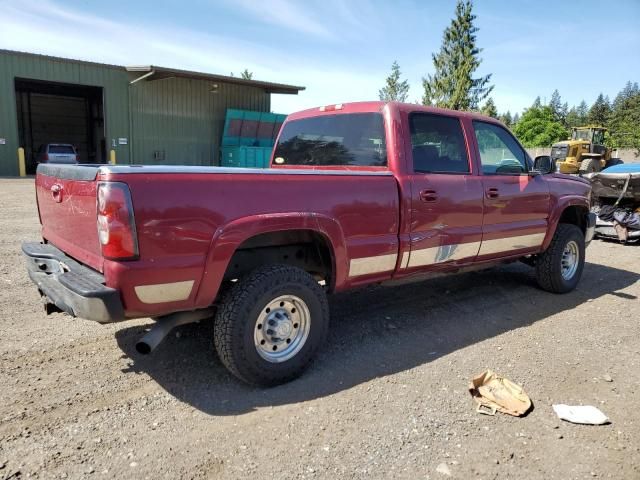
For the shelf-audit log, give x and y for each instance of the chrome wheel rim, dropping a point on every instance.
(570, 260)
(282, 328)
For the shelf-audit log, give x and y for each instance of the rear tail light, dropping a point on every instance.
(46, 157)
(116, 225)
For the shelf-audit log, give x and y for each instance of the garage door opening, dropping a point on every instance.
(59, 113)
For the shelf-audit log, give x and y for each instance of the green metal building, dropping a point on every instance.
(146, 115)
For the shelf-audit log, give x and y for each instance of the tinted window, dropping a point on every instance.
(346, 139)
(500, 153)
(437, 144)
(66, 149)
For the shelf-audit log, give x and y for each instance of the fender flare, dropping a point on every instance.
(228, 238)
(557, 211)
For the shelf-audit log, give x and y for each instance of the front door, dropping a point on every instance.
(516, 204)
(446, 203)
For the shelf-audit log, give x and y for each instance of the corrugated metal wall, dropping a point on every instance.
(180, 120)
(113, 80)
(169, 121)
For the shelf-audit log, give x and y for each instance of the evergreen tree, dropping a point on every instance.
(453, 85)
(516, 118)
(600, 111)
(556, 106)
(489, 109)
(625, 121)
(506, 118)
(629, 90)
(573, 119)
(564, 111)
(537, 103)
(246, 74)
(582, 114)
(394, 89)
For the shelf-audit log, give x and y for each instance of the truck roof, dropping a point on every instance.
(376, 106)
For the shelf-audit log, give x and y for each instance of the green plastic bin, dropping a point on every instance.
(248, 138)
(246, 157)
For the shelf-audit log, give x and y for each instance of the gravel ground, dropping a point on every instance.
(387, 397)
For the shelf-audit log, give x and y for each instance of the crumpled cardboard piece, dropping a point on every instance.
(494, 393)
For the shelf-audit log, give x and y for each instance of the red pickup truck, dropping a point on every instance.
(357, 194)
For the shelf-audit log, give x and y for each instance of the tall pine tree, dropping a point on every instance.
(453, 85)
(600, 111)
(394, 89)
(573, 119)
(629, 90)
(506, 118)
(537, 103)
(489, 108)
(556, 105)
(625, 118)
(582, 114)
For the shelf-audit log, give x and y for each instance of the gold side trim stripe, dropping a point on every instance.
(498, 245)
(164, 292)
(368, 265)
(443, 253)
(405, 259)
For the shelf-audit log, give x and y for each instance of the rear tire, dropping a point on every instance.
(271, 324)
(589, 165)
(559, 267)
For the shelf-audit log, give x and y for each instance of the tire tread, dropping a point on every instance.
(240, 298)
(546, 264)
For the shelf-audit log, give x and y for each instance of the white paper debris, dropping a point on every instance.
(584, 414)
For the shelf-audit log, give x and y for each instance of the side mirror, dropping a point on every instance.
(543, 164)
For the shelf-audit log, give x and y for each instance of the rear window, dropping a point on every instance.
(438, 144)
(62, 149)
(347, 139)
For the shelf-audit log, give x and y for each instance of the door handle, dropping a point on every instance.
(428, 195)
(492, 192)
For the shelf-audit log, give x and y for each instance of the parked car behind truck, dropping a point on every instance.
(358, 194)
(57, 153)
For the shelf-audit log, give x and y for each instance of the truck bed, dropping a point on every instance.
(184, 213)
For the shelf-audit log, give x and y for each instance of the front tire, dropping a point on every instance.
(271, 324)
(559, 267)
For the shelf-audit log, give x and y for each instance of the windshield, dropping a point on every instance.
(581, 135)
(62, 149)
(345, 139)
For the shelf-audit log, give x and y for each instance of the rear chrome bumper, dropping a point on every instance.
(71, 286)
(591, 228)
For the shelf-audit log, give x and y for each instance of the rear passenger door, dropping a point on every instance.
(516, 204)
(446, 203)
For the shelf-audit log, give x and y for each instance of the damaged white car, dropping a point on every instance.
(616, 202)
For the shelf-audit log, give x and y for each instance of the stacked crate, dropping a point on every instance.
(248, 138)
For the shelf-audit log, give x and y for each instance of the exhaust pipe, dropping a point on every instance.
(165, 324)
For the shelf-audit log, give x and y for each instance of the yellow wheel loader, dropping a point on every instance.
(584, 152)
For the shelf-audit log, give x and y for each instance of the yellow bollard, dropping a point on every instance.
(112, 157)
(22, 166)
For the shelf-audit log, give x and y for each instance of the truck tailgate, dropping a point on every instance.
(67, 204)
